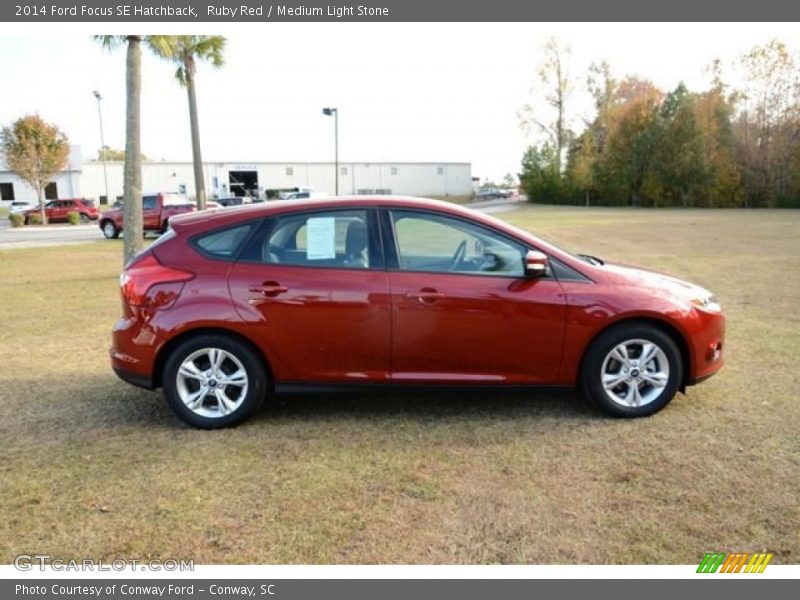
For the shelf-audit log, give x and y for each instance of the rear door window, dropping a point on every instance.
(338, 239)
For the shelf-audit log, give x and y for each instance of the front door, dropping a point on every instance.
(463, 309)
(312, 285)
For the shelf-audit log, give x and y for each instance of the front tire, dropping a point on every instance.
(213, 381)
(632, 370)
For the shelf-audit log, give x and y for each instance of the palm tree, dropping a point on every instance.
(186, 51)
(132, 205)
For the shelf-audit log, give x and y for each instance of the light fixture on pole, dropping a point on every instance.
(102, 143)
(335, 113)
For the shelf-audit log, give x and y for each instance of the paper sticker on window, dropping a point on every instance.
(321, 238)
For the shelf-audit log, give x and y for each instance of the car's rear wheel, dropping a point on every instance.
(83, 219)
(110, 230)
(212, 381)
(632, 370)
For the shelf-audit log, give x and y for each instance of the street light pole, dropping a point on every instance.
(335, 113)
(102, 143)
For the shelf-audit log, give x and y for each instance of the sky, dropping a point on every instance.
(439, 92)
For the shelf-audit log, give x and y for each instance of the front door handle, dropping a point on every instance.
(269, 288)
(426, 296)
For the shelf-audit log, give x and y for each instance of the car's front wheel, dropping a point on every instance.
(632, 370)
(212, 381)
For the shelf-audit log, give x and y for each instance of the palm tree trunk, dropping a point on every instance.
(132, 207)
(199, 180)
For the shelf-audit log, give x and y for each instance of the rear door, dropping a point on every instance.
(462, 307)
(313, 287)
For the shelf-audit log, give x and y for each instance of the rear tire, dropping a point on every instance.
(83, 219)
(110, 230)
(212, 381)
(632, 370)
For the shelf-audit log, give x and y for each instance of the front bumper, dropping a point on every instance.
(707, 340)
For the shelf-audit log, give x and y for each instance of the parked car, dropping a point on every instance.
(232, 201)
(303, 195)
(19, 206)
(364, 292)
(492, 194)
(57, 211)
(156, 212)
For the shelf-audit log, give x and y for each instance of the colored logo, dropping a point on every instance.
(734, 563)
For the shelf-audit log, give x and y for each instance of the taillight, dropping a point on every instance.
(147, 283)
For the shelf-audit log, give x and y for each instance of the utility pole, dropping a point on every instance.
(335, 113)
(102, 144)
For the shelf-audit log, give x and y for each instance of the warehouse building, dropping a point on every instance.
(226, 179)
(66, 184)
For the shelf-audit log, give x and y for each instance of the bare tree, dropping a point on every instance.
(557, 86)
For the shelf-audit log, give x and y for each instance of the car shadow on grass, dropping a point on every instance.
(95, 407)
(438, 405)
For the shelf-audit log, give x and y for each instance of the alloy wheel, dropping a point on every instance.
(635, 373)
(212, 382)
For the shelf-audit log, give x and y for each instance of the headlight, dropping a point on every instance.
(707, 302)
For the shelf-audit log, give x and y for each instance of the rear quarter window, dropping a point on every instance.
(223, 243)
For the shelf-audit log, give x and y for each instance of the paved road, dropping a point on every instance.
(52, 235)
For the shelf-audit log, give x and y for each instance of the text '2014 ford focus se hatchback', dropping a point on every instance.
(230, 305)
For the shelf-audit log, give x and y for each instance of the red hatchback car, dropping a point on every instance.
(230, 305)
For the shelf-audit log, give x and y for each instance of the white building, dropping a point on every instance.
(66, 184)
(225, 179)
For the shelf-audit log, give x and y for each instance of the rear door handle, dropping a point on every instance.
(426, 296)
(269, 288)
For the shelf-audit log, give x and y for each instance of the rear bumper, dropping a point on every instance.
(132, 353)
(142, 381)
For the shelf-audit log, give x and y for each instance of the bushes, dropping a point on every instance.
(34, 219)
(73, 217)
(17, 220)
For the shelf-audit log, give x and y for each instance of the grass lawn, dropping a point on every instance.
(91, 467)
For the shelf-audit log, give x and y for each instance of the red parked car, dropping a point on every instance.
(57, 211)
(230, 305)
(156, 212)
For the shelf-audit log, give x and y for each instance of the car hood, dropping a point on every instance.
(628, 275)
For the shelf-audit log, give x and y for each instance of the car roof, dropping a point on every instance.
(275, 207)
(198, 221)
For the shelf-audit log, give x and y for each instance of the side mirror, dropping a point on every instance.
(536, 263)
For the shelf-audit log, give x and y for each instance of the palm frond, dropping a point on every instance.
(110, 42)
